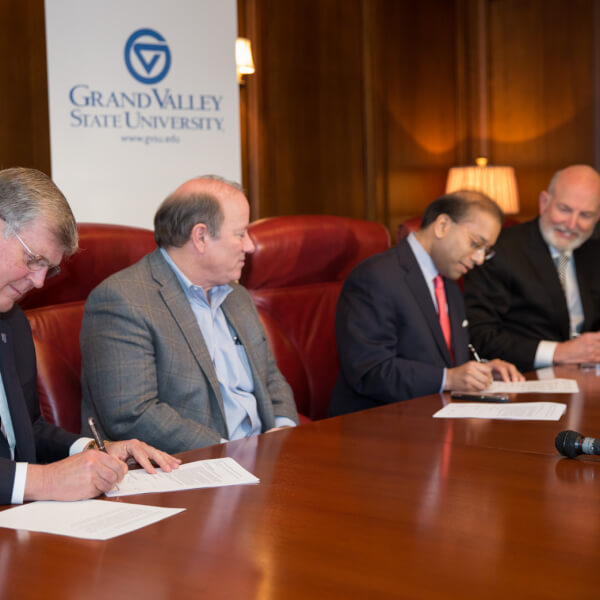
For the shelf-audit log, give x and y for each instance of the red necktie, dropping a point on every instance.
(440, 296)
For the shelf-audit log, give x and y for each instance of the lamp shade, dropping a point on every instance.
(499, 183)
(243, 56)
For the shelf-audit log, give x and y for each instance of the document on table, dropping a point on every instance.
(521, 411)
(199, 474)
(88, 519)
(535, 386)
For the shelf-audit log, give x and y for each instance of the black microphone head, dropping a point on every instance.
(568, 443)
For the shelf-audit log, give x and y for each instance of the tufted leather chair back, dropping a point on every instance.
(295, 276)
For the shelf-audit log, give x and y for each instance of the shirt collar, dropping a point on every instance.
(556, 253)
(424, 261)
(196, 293)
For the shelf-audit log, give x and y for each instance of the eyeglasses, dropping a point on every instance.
(479, 247)
(36, 262)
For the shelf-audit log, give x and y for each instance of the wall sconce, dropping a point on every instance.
(244, 65)
(499, 183)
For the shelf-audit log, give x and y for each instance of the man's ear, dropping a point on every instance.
(199, 235)
(442, 225)
(544, 199)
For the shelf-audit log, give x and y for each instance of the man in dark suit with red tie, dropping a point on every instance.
(38, 460)
(400, 322)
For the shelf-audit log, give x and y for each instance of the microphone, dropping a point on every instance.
(571, 444)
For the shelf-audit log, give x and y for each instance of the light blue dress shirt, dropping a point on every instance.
(228, 357)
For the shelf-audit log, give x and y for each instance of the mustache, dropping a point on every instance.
(567, 230)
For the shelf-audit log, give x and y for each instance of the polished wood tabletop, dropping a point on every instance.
(385, 503)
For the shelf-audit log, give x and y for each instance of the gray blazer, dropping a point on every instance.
(146, 371)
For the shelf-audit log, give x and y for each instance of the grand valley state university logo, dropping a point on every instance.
(147, 56)
(153, 109)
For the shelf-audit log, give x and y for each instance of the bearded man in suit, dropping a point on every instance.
(172, 347)
(537, 302)
(400, 321)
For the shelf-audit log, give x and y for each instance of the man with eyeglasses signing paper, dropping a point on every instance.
(537, 302)
(38, 460)
(400, 321)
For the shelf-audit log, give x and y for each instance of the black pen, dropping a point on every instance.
(99, 443)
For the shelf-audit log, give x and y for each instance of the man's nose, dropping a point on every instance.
(38, 278)
(572, 221)
(249, 246)
(479, 256)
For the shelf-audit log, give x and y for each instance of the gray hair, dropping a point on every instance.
(29, 194)
(181, 211)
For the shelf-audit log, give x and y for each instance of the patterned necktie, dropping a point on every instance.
(561, 266)
(440, 296)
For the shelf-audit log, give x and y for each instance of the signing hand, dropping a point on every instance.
(469, 377)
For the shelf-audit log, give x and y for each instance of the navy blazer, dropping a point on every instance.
(36, 440)
(515, 299)
(389, 338)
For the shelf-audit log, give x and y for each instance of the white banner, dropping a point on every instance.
(143, 96)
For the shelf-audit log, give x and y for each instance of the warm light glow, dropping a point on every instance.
(499, 183)
(243, 58)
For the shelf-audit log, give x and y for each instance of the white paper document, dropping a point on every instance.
(521, 411)
(544, 386)
(89, 519)
(199, 474)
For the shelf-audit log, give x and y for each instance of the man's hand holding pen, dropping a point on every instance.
(477, 375)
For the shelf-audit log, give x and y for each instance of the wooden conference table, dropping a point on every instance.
(387, 503)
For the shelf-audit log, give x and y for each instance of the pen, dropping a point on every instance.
(98, 439)
(474, 353)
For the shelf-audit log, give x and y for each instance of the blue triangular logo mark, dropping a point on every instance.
(149, 50)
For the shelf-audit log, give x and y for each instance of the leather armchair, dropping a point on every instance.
(295, 276)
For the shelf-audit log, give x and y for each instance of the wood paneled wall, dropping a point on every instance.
(359, 107)
(24, 128)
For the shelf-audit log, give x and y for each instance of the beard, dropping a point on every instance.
(551, 232)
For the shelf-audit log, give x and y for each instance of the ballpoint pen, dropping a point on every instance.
(98, 439)
(474, 353)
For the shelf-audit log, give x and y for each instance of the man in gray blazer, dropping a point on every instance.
(172, 349)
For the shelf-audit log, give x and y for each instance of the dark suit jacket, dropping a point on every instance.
(146, 370)
(515, 299)
(36, 440)
(390, 342)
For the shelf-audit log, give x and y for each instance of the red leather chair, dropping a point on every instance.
(104, 249)
(295, 276)
(56, 337)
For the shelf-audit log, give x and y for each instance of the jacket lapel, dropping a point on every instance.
(543, 267)
(585, 271)
(178, 306)
(21, 422)
(418, 287)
